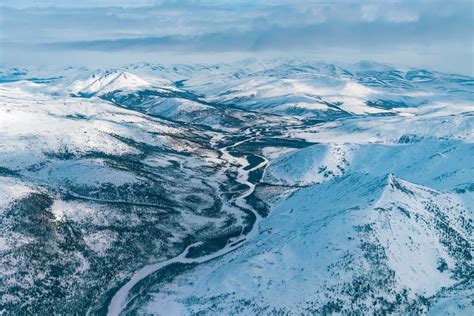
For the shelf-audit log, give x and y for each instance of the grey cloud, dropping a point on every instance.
(375, 34)
(364, 27)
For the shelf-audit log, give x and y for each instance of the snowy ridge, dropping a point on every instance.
(311, 165)
(445, 164)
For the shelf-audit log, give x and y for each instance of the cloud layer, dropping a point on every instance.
(436, 32)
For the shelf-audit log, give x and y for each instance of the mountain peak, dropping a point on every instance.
(103, 82)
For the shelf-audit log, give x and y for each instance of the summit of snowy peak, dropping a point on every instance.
(102, 82)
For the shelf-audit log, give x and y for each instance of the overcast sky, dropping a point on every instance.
(101, 33)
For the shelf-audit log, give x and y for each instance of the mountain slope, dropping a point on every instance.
(89, 192)
(350, 245)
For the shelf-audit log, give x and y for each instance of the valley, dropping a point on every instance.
(278, 187)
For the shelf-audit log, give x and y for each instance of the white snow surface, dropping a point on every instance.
(384, 197)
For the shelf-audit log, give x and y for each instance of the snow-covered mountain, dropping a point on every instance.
(355, 245)
(299, 87)
(372, 226)
(275, 187)
(101, 83)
